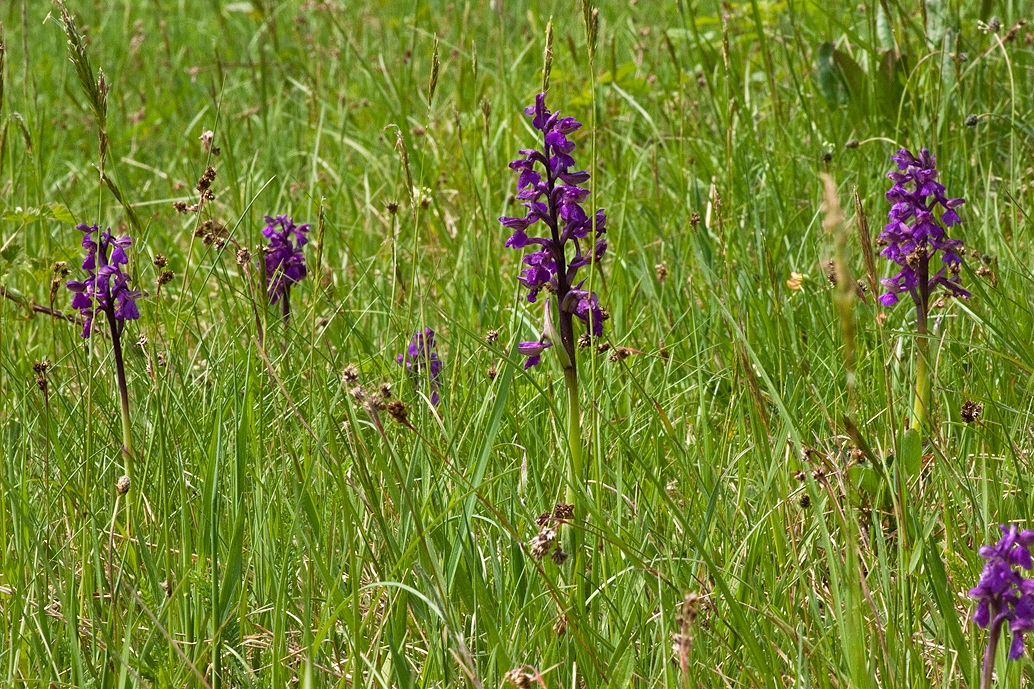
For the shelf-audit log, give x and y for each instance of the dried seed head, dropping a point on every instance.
(180, 206)
(603, 347)
(206, 180)
(122, 485)
(386, 391)
(560, 628)
(970, 411)
(563, 511)
(392, 208)
(166, 277)
(243, 256)
(491, 373)
(41, 366)
(491, 337)
(584, 340)
(853, 143)
(521, 679)
(540, 544)
(800, 476)
(398, 410)
(694, 219)
(350, 375)
(972, 121)
(206, 139)
(805, 501)
(558, 556)
(662, 272)
(160, 260)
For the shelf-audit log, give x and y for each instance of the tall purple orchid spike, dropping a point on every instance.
(106, 291)
(1004, 595)
(421, 360)
(285, 264)
(917, 230)
(550, 191)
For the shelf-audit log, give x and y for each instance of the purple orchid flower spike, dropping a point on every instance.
(422, 361)
(105, 293)
(549, 189)
(917, 230)
(285, 264)
(1004, 596)
(106, 289)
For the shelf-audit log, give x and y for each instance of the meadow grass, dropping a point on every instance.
(274, 535)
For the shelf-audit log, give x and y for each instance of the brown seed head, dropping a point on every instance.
(122, 485)
(491, 373)
(243, 256)
(166, 277)
(560, 628)
(540, 544)
(491, 337)
(563, 511)
(206, 180)
(662, 272)
(970, 411)
(160, 260)
(350, 375)
(398, 410)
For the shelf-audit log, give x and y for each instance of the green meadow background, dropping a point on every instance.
(751, 452)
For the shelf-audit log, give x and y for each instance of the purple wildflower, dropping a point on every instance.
(1003, 594)
(106, 288)
(548, 266)
(285, 264)
(421, 360)
(917, 230)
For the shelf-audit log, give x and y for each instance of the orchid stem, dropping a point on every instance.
(574, 479)
(992, 649)
(922, 408)
(123, 391)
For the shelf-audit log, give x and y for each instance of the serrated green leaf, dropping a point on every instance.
(61, 213)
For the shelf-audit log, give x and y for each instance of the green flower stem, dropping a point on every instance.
(123, 391)
(574, 479)
(923, 401)
(992, 648)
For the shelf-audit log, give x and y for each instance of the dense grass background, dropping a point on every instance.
(274, 536)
